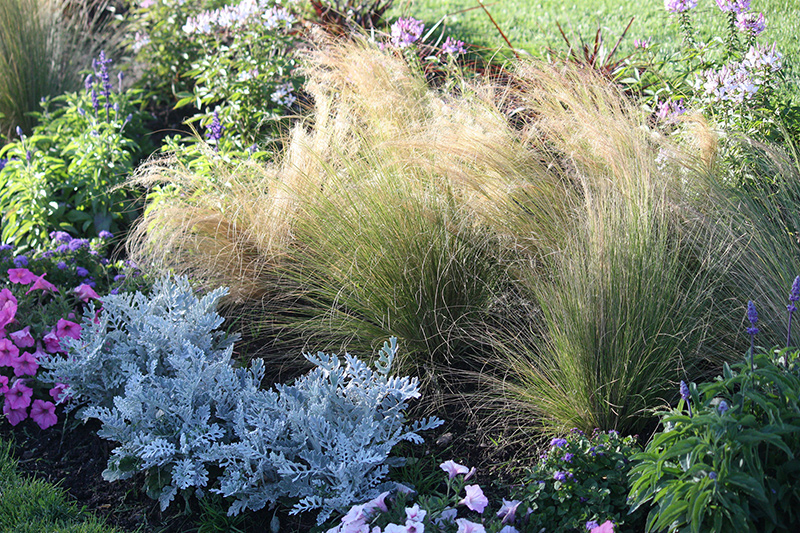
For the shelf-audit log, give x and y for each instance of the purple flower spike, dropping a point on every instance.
(751, 23)
(453, 47)
(752, 316)
(686, 396)
(215, 130)
(723, 407)
(794, 295)
(734, 6)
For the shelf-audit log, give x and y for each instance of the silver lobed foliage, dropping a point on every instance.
(158, 375)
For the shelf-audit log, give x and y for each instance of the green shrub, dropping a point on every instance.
(731, 462)
(64, 176)
(582, 479)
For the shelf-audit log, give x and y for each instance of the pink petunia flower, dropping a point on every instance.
(19, 395)
(23, 337)
(415, 514)
(8, 353)
(605, 527)
(475, 499)
(453, 469)
(3, 384)
(21, 275)
(84, 292)
(43, 284)
(44, 413)
(8, 310)
(508, 511)
(57, 393)
(379, 502)
(15, 416)
(7, 296)
(67, 328)
(25, 365)
(465, 526)
(51, 343)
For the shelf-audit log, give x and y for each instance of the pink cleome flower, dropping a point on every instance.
(679, 6)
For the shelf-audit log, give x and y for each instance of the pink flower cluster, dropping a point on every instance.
(679, 6)
(17, 352)
(739, 82)
(238, 16)
(406, 31)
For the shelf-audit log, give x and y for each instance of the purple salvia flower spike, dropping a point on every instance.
(794, 295)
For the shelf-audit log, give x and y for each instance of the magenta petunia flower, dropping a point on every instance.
(84, 292)
(8, 308)
(19, 395)
(43, 284)
(67, 328)
(51, 343)
(25, 365)
(44, 413)
(21, 275)
(453, 469)
(8, 353)
(22, 338)
(475, 499)
(7, 296)
(3, 384)
(57, 393)
(15, 416)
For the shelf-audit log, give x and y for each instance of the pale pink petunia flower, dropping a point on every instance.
(475, 499)
(415, 514)
(453, 469)
(465, 526)
(605, 527)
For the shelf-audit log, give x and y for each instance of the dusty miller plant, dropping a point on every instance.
(156, 374)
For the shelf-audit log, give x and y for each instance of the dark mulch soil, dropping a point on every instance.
(72, 456)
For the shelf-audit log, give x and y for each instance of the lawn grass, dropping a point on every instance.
(530, 26)
(34, 506)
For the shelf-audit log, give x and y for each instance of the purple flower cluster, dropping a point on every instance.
(670, 110)
(453, 47)
(406, 31)
(751, 23)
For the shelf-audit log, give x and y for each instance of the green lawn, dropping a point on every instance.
(530, 25)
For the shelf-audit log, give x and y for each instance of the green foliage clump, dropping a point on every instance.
(580, 479)
(63, 176)
(32, 506)
(731, 463)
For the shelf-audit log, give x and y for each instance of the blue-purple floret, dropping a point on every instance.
(60, 236)
(558, 443)
(752, 316)
(77, 244)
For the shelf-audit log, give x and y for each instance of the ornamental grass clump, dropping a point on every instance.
(378, 218)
